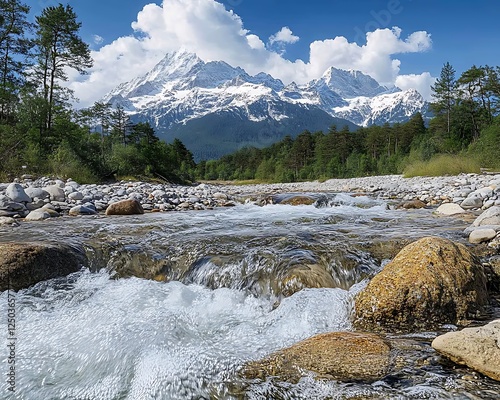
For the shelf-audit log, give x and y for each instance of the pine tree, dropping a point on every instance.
(445, 92)
(58, 46)
(14, 48)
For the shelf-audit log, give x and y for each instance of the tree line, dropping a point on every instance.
(40, 129)
(466, 124)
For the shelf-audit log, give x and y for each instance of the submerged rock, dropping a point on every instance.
(430, 282)
(345, 356)
(478, 348)
(298, 201)
(23, 265)
(412, 204)
(125, 207)
(305, 276)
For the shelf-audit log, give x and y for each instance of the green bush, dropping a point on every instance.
(443, 164)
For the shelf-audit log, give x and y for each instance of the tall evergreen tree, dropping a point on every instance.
(14, 48)
(58, 46)
(444, 92)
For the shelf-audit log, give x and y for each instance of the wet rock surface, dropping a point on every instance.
(23, 265)
(344, 356)
(478, 348)
(430, 282)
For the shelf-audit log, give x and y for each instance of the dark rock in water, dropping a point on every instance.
(23, 265)
(345, 356)
(431, 282)
(125, 207)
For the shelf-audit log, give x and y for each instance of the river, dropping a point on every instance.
(217, 302)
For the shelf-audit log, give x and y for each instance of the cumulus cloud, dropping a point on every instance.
(285, 35)
(420, 82)
(207, 28)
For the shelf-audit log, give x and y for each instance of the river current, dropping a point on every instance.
(216, 301)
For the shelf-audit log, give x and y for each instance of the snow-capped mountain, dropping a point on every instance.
(215, 108)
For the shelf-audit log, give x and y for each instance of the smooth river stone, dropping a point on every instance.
(482, 235)
(16, 193)
(478, 348)
(450, 209)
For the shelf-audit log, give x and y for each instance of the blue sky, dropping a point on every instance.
(430, 33)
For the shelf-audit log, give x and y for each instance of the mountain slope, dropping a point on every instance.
(215, 108)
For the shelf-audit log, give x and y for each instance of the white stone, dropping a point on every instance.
(477, 348)
(56, 193)
(37, 215)
(489, 217)
(16, 193)
(481, 235)
(75, 196)
(449, 209)
(35, 192)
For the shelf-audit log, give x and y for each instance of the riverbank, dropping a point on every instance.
(470, 191)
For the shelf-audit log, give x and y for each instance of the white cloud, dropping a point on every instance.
(97, 39)
(420, 82)
(214, 33)
(285, 35)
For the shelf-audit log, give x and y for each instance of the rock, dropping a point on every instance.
(8, 221)
(37, 215)
(11, 206)
(29, 263)
(125, 207)
(35, 204)
(82, 210)
(75, 196)
(478, 348)
(16, 193)
(49, 208)
(37, 193)
(489, 217)
(450, 209)
(412, 204)
(305, 276)
(55, 192)
(472, 202)
(482, 235)
(298, 201)
(430, 282)
(345, 356)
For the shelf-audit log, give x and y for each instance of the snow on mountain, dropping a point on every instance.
(389, 107)
(182, 89)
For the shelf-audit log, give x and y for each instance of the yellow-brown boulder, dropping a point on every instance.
(431, 282)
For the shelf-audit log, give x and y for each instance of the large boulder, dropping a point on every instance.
(430, 282)
(24, 264)
(345, 356)
(16, 193)
(478, 348)
(125, 207)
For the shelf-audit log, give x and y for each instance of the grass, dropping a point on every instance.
(441, 165)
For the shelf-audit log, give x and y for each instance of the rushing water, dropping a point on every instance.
(105, 334)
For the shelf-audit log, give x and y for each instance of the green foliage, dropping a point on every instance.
(441, 165)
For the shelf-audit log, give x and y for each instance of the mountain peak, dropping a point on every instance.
(350, 83)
